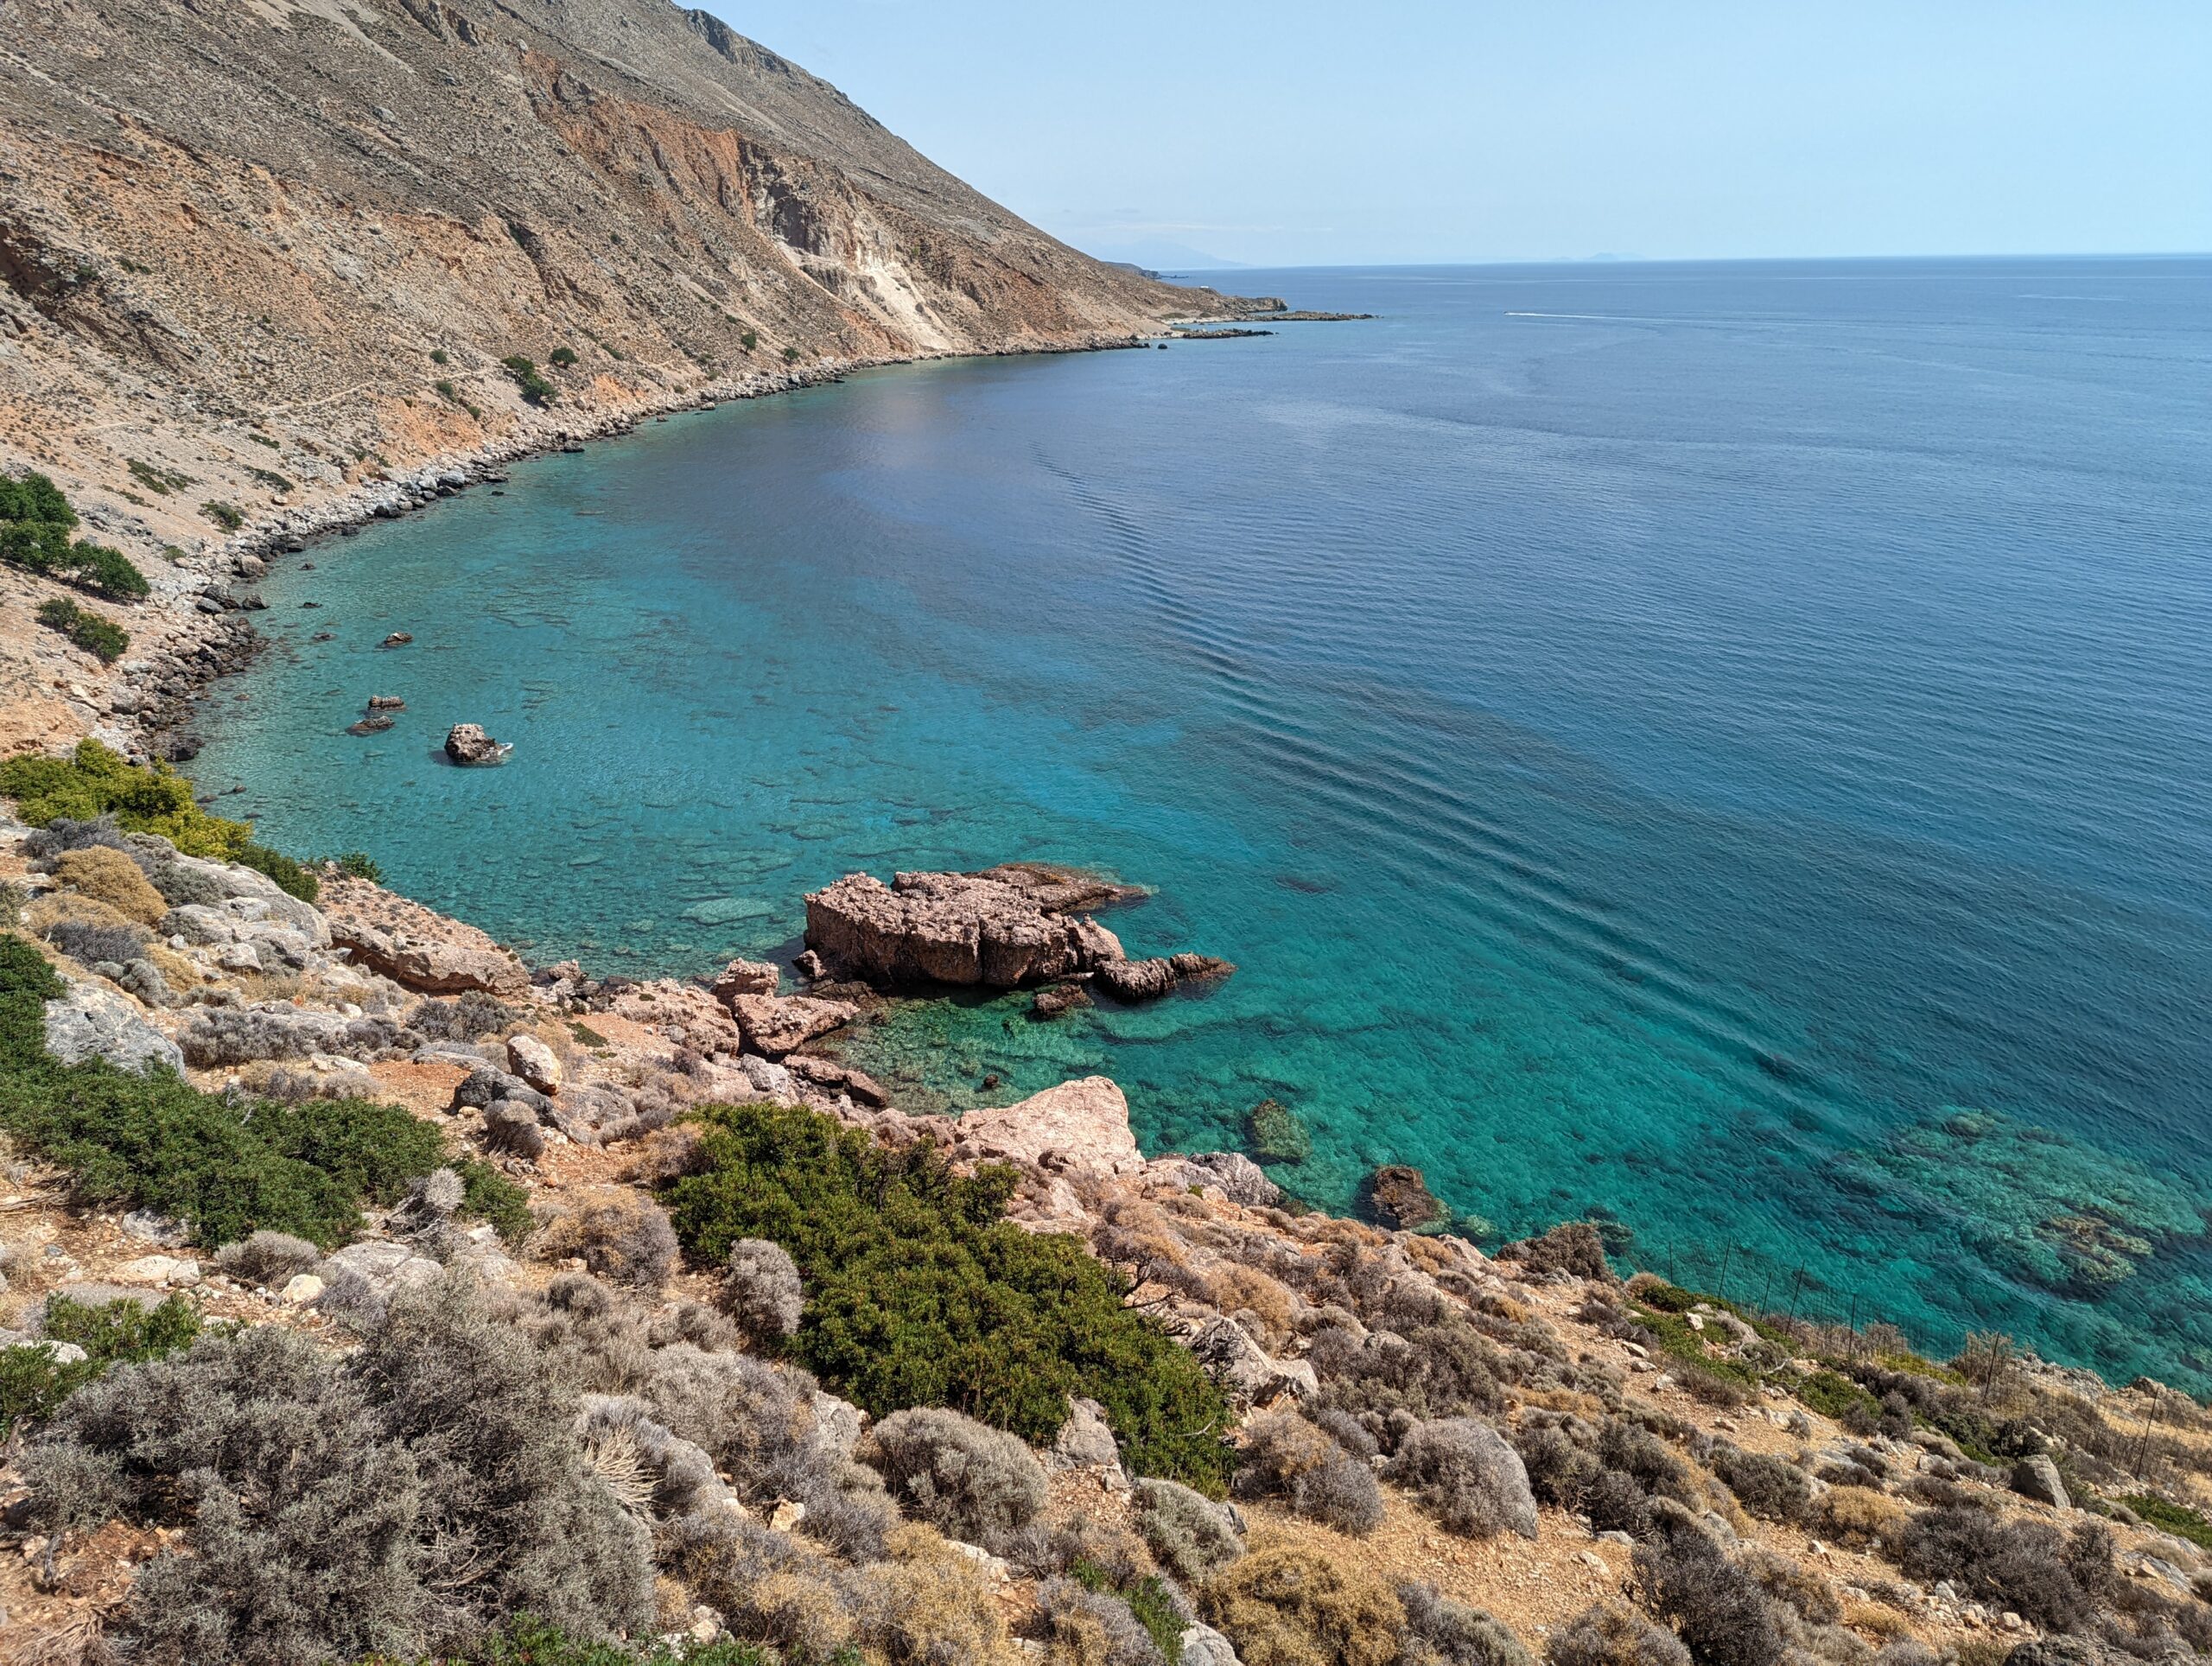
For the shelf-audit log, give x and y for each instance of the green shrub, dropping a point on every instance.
(228, 516)
(535, 388)
(32, 1384)
(104, 570)
(155, 478)
(448, 392)
(32, 497)
(94, 781)
(564, 357)
(791, 355)
(524, 1641)
(226, 1167)
(359, 865)
(750, 339)
(1833, 1394)
(438, 356)
(35, 546)
(270, 478)
(292, 878)
(2177, 1519)
(921, 1294)
(98, 637)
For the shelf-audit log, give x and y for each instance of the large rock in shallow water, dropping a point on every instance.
(1003, 928)
(468, 743)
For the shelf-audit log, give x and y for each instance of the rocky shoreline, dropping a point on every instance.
(150, 699)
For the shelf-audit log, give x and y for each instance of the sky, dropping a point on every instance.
(1413, 132)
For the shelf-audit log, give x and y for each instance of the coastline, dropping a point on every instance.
(203, 601)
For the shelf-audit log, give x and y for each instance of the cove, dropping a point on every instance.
(1720, 747)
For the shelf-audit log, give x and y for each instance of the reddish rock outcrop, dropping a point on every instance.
(1003, 928)
(409, 944)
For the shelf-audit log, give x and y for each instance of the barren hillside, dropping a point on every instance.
(261, 248)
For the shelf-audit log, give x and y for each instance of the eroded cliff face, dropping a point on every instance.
(234, 233)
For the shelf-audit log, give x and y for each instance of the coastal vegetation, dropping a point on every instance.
(921, 1293)
(224, 1165)
(36, 521)
(535, 389)
(95, 781)
(104, 639)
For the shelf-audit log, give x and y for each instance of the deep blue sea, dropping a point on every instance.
(1727, 747)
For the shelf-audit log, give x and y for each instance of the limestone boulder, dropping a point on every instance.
(1080, 1128)
(776, 1025)
(92, 1021)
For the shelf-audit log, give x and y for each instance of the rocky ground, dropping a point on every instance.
(566, 1081)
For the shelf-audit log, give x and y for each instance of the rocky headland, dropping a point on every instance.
(372, 1293)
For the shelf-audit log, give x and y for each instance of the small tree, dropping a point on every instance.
(791, 355)
(564, 357)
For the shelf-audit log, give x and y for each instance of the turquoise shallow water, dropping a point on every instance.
(1722, 747)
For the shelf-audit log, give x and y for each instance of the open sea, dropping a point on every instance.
(1723, 747)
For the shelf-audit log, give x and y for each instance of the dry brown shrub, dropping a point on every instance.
(666, 1154)
(176, 971)
(1245, 1289)
(1881, 1620)
(1283, 1606)
(110, 877)
(45, 913)
(938, 1609)
(1858, 1518)
(621, 1237)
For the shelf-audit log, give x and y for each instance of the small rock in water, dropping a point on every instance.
(397, 639)
(375, 723)
(468, 743)
(1402, 1198)
(386, 702)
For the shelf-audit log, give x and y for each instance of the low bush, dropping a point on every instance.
(1833, 1394)
(1438, 1367)
(226, 1167)
(107, 875)
(535, 389)
(622, 1238)
(1462, 1472)
(91, 942)
(919, 1293)
(1768, 1487)
(526, 1640)
(105, 641)
(1193, 1536)
(564, 357)
(791, 355)
(468, 1017)
(1084, 1626)
(1610, 1636)
(1281, 1606)
(1857, 1518)
(1287, 1458)
(1573, 1248)
(1560, 1455)
(964, 1477)
(267, 1257)
(403, 1499)
(936, 1606)
(33, 1384)
(2168, 1516)
(768, 1588)
(293, 878)
(94, 781)
(359, 865)
(1442, 1632)
(761, 1289)
(2024, 1565)
(1717, 1609)
(228, 516)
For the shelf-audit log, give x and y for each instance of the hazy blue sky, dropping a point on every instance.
(1415, 131)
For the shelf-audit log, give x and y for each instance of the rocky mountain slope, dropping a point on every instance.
(254, 251)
